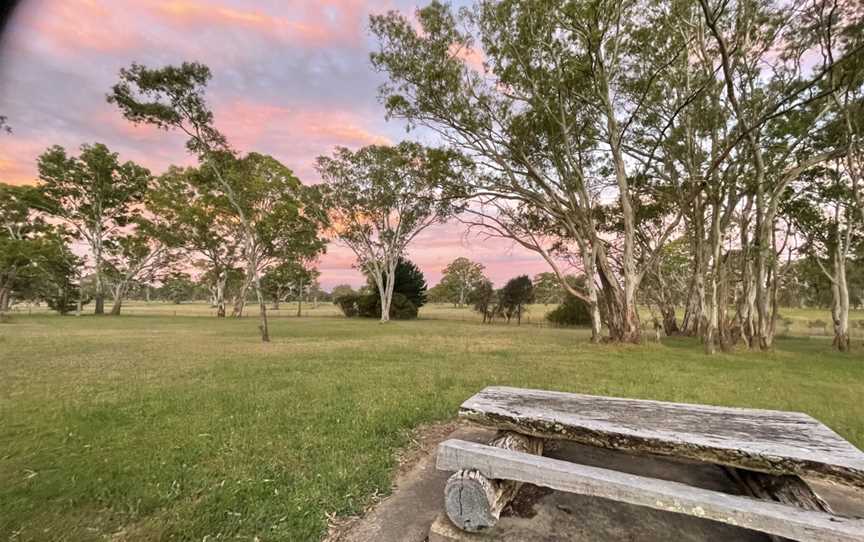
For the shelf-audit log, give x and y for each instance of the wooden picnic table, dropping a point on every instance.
(770, 454)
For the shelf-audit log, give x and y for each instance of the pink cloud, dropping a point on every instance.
(309, 24)
(71, 26)
(295, 136)
(18, 159)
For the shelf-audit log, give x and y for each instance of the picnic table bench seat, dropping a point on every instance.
(769, 453)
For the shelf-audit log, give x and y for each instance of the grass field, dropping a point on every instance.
(152, 426)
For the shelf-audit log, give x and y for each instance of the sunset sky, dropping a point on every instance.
(292, 79)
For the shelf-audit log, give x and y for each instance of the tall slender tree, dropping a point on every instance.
(381, 197)
(203, 224)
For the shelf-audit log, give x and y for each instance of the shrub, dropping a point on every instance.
(347, 303)
(401, 308)
(368, 306)
(573, 312)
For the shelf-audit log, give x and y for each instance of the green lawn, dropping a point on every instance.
(151, 427)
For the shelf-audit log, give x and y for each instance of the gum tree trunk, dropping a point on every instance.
(5, 294)
(840, 304)
(593, 303)
(300, 300)
(747, 303)
(99, 297)
(240, 300)
(220, 296)
(252, 271)
(713, 305)
(386, 291)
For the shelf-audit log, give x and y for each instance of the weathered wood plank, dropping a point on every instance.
(769, 517)
(474, 502)
(762, 440)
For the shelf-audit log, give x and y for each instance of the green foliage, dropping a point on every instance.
(369, 306)
(379, 198)
(93, 192)
(94, 195)
(288, 279)
(171, 97)
(483, 299)
(409, 282)
(35, 261)
(340, 290)
(513, 297)
(458, 279)
(401, 308)
(201, 219)
(53, 278)
(387, 192)
(177, 288)
(347, 303)
(573, 312)
(547, 288)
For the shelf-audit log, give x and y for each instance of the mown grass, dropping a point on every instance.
(163, 427)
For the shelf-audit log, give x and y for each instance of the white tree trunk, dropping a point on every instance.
(100, 288)
(118, 291)
(589, 263)
(385, 289)
(840, 305)
(220, 294)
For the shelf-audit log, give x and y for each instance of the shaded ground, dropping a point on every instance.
(161, 427)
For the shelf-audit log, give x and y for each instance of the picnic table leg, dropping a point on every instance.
(474, 502)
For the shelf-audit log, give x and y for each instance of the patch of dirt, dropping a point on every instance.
(422, 441)
(523, 505)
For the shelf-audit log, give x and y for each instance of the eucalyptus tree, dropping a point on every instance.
(203, 223)
(550, 119)
(483, 299)
(142, 255)
(824, 210)
(55, 277)
(264, 195)
(286, 217)
(513, 297)
(35, 260)
(777, 100)
(23, 237)
(95, 196)
(381, 197)
(460, 277)
(289, 279)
